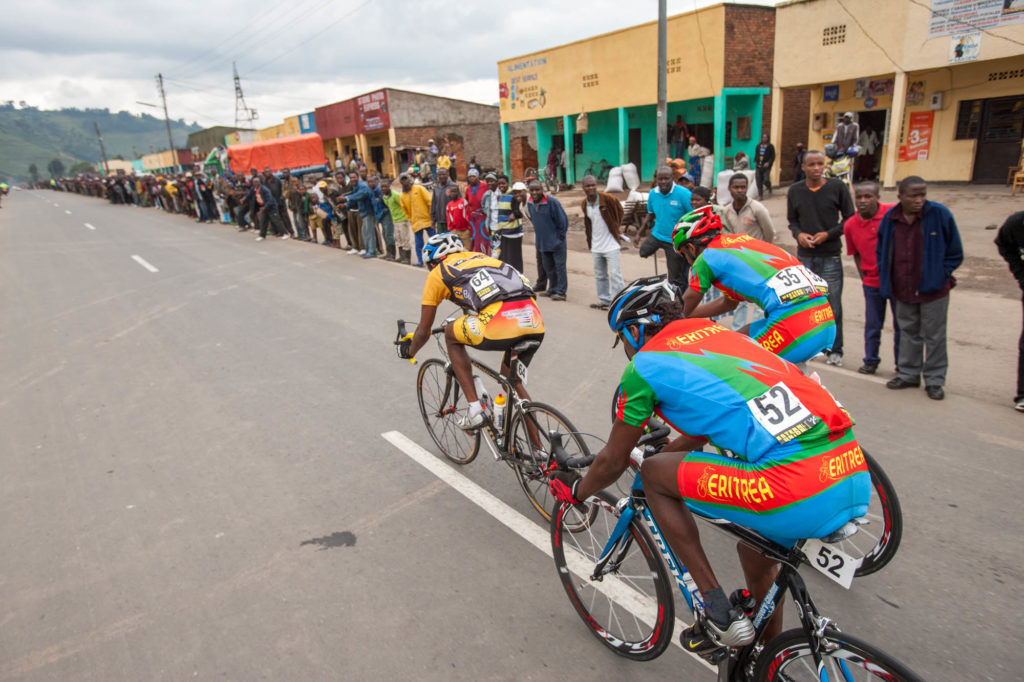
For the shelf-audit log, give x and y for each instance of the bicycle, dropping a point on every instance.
(599, 169)
(884, 513)
(520, 436)
(612, 562)
(548, 182)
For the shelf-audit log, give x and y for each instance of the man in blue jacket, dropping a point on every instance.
(361, 199)
(918, 250)
(550, 225)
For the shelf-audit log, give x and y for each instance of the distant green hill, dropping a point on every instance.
(29, 135)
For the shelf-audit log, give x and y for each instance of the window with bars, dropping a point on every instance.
(1005, 75)
(833, 35)
(968, 119)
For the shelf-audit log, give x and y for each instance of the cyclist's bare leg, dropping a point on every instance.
(460, 364)
(659, 474)
(760, 572)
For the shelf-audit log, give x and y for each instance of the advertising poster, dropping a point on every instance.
(953, 16)
(964, 47)
(919, 136)
(882, 86)
(860, 88)
(915, 93)
(831, 93)
(373, 111)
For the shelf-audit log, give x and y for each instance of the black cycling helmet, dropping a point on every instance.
(635, 305)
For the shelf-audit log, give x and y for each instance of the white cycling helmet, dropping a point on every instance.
(440, 245)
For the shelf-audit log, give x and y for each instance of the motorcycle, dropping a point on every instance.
(841, 163)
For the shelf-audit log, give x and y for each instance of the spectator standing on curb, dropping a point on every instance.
(439, 200)
(816, 209)
(667, 202)
(918, 250)
(264, 207)
(489, 205)
(432, 153)
(798, 163)
(1010, 242)
(480, 237)
(271, 182)
(861, 230)
(416, 205)
(385, 242)
(297, 199)
(399, 222)
(456, 219)
(764, 157)
(744, 215)
(602, 216)
(550, 225)
(508, 226)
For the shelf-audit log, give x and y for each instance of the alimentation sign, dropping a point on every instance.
(958, 16)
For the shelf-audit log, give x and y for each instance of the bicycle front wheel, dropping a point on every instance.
(530, 459)
(441, 405)
(788, 658)
(880, 529)
(629, 607)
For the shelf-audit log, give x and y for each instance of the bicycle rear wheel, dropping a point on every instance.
(530, 463)
(881, 529)
(788, 658)
(629, 608)
(441, 404)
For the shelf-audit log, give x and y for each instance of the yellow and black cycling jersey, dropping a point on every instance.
(474, 281)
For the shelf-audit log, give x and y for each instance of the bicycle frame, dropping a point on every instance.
(734, 659)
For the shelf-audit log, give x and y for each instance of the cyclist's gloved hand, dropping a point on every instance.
(404, 345)
(563, 486)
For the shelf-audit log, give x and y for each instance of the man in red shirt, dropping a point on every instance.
(861, 232)
(456, 215)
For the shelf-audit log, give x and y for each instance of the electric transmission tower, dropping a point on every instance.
(242, 111)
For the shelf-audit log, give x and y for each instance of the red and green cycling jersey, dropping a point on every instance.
(748, 269)
(708, 381)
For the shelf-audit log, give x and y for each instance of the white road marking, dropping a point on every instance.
(67, 211)
(56, 204)
(539, 537)
(142, 261)
(91, 227)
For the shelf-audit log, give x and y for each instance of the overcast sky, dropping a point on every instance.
(292, 55)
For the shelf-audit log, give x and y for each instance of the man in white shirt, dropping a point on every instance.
(744, 215)
(602, 215)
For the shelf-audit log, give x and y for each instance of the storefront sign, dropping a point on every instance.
(870, 102)
(860, 88)
(882, 86)
(953, 16)
(831, 93)
(964, 47)
(373, 111)
(919, 136)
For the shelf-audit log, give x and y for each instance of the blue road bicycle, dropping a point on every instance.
(615, 563)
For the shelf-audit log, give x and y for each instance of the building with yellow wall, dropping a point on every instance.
(719, 65)
(941, 82)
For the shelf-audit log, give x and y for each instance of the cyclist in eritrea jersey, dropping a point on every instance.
(794, 470)
(798, 322)
(501, 311)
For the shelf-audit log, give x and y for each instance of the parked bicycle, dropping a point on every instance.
(880, 529)
(548, 182)
(518, 432)
(599, 169)
(611, 558)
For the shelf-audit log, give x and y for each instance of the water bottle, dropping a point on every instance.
(481, 394)
(499, 409)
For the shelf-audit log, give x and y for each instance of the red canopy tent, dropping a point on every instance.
(298, 151)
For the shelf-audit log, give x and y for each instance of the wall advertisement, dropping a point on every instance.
(373, 111)
(919, 136)
(957, 16)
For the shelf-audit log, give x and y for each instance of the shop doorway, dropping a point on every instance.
(870, 159)
(999, 138)
(636, 150)
(377, 158)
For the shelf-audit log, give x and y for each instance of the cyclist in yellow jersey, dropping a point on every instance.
(501, 311)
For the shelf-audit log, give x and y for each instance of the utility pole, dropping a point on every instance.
(242, 110)
(103, 152)
(662, 118)
(167, 120)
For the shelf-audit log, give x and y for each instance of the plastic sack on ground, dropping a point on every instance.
(630, 176)
(614, 180)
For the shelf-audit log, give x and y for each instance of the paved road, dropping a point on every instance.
(195, 483)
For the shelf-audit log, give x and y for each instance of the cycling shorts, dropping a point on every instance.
(797, 333)
(807, 494)
(500, 326)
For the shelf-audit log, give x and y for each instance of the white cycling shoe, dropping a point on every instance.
(467, 423)
(739, 632)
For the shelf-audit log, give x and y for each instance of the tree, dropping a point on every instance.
(33, 172)
(118, 157)
(56, 168)
(81, 167)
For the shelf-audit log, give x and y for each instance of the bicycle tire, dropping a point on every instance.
(434, 384)
(884, 510)
(529, 465)
(640, 581)
(788, 657)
